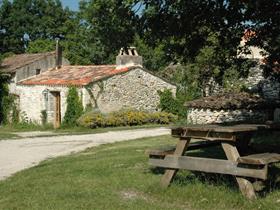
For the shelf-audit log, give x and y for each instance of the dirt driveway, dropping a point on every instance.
(16, 155)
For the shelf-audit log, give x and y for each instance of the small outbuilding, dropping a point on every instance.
(232, 108)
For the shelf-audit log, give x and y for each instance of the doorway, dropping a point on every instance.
(57, 109)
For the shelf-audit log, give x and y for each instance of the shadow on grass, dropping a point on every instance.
(185, 177)
(273, 181)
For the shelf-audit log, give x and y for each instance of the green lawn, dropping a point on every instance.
(9, 132)
(117, 176)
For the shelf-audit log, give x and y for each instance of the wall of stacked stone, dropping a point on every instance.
(136, 89)
(207, 116)
(266, 87)
(257, 83)
(33, 101)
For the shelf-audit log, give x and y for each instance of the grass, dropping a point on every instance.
(117, 176)
(7, 135)
(10, 132)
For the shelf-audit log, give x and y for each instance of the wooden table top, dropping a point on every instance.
(239, 128)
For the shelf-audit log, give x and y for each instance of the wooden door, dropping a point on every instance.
(57, 117)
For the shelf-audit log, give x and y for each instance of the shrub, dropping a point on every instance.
(170, 104)
(124, 118)
(10, 112)
(44, 117)
(74, 108)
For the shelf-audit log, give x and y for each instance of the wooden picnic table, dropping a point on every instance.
(234, 141)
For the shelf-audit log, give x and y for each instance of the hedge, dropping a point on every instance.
(124, 118)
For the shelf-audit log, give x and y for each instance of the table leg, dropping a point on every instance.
(245, 185)
(243, 142)
(170, 173)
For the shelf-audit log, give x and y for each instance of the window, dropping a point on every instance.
(38, 71)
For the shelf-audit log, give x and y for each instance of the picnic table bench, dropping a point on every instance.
(234, 141)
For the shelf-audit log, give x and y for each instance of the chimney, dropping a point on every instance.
(58, 55)
(128, 57)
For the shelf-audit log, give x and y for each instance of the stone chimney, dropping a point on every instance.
(128, 57)
(58, 55)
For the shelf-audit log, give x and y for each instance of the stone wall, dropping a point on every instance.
(42, 64)
(33, 101)
(267, 87)
(207, 116)
(136, 89)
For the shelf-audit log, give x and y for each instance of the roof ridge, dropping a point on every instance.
(92, 65)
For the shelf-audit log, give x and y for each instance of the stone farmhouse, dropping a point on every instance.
(105, 87)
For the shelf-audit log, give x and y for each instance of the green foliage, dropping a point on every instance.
(15, 114)
(120, 173)
(76, 46)
(44, 117)
(3, 93)
(23, 21)
(41, 45)
(213, 68)
(109, 32)
(186, 79)
(170, 104)
(232, 82)
(124, 118)
(201, 36)
(154, 57)
(74, 108)
(5, 104)
(10, 112)
(265, 23)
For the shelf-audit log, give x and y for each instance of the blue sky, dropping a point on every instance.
(72, 4)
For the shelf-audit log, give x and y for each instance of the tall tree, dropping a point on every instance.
(264, 20)
(23, 21)
(112, 25)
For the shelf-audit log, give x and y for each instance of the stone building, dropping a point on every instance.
(23, 66)
(231, 108)
(263, 105)
(105, 87)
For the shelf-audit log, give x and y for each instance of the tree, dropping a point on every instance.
(4, 93)
(23, 21)
(74, 108)
(264, 20)
(112, 25)
(155, 58)
(41, 45)
(180, 24)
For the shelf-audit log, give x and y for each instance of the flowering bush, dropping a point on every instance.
(124, 118)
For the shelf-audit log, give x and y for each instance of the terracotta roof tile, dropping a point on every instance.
(74, 75)
(12, 63)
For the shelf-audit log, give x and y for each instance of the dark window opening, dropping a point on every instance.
(38, 71)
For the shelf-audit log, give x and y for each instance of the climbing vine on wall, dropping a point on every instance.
(93, 98)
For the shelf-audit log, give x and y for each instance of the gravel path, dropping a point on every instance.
(16, 155)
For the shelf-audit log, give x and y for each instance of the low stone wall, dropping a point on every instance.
(207, 116)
